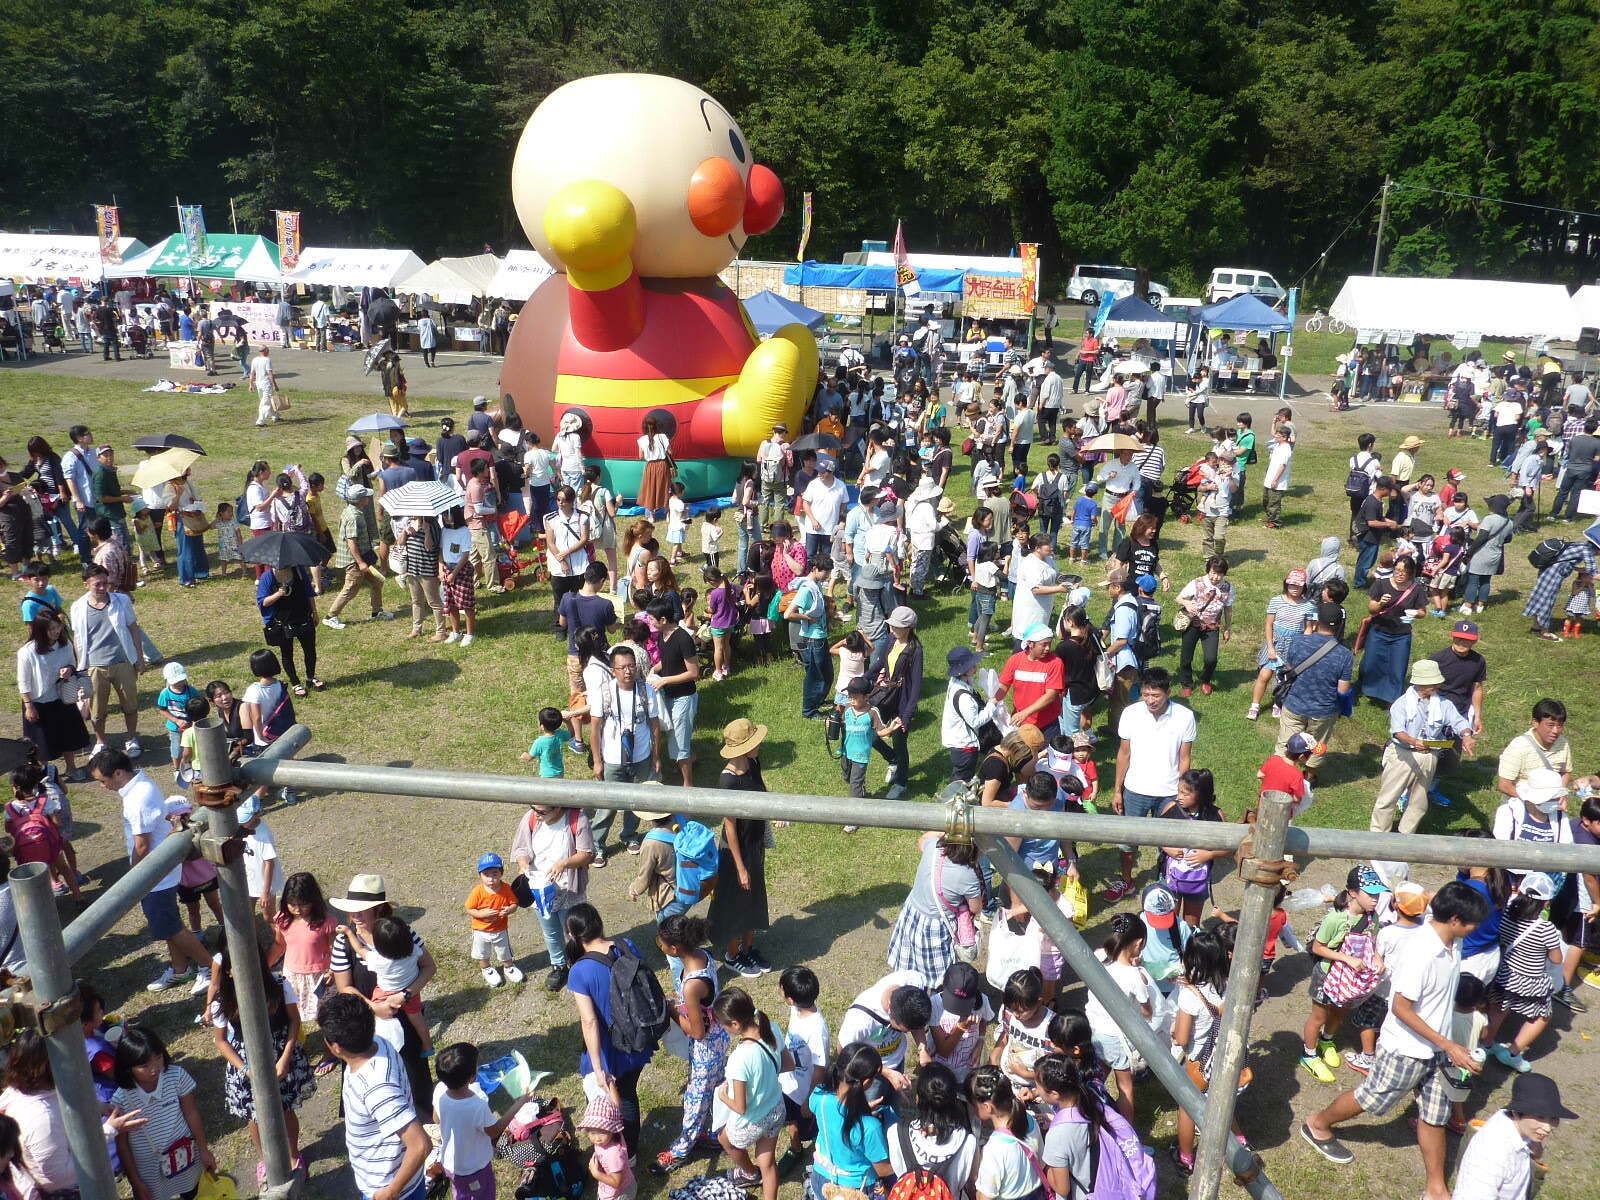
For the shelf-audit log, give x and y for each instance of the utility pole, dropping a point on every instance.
(1383, 219)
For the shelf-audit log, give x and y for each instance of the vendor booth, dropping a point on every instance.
(345, 267)
(453, 280)
(521, 271)
(1227, 348)
(61, 258)
(228, 257)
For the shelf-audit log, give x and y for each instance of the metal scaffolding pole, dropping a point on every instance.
(1137, 1032)
(244, 953)
(50, 972)
(424, 782)
(1262, 871)
(122, 897)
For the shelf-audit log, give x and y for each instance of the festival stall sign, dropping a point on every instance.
(340, 266)
(185, 356)
(260, 321)
(242, 257)
(985, 295)
(56, 258)
(520, 274)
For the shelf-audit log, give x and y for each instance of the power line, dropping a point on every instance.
(1321, 258)
(1416, 187)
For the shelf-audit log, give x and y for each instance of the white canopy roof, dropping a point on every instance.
(44, 257)
(1447, 307)
(453, 280)
(983, 264)
(328, 266)
(1587, 302)
(520, 273)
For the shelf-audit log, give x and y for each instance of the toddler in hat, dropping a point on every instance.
(490, 905)
(613, 1175)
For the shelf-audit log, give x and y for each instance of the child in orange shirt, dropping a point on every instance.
(490, 906)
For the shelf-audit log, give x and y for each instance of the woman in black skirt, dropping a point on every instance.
(44, 662)
(739, 904)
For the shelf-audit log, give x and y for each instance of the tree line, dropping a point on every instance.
(1172, 135)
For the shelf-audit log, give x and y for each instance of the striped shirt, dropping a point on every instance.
(1524, 950)
(163, 1149)
(377, 1106)
(339, 955)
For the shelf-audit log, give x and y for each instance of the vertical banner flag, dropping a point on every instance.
(108, 225)
(1030, 274)
(192, 224)
(288, 240)
(903, 274)
(805, 228)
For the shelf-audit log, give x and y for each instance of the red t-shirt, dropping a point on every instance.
(1278, 774)
(1029, 680)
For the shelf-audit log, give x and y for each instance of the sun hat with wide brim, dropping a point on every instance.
(1425, 672)
(645, 815)
(364, 892)
(740, 736)
(1412, 442)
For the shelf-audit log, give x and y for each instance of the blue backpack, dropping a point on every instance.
(695, 847)
(1119, 1167)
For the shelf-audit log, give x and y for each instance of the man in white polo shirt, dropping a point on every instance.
(1156, 737)
(1414, 1046)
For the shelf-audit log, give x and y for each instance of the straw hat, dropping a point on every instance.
(946, 506)
(1412, 442)
(740, 736)
(364, 892)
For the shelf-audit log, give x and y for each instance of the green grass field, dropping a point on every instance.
(397, 702)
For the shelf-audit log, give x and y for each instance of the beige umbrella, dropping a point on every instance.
(159, 468)
(1110, 443)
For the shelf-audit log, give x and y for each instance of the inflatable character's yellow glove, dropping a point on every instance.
(775, 385)
(591, 226)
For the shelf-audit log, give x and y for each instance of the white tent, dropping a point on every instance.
(453, 280)
(47, 257)
(983, 264)
(1587, 302)
(1451, 307)
(518, 276)
(330, 266)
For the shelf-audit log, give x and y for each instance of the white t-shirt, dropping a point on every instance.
(536, 465)
(877, 468)
(867, 1021)
(1028, 609)
(1155, 744)
(254, 494)
(259, 847)
(453, 544)
(1278, 459)
(827, 504)
(261, 373)
(144, 811)
(1134, 981)
(677, 514)
(464, 1147)
(1028, 1042)
(1190, 1001)
(377, 1106)
(266, 699)
(616, 708)
(1424, 970)
(564, 532)
(807, 1040)
(1004, 1170)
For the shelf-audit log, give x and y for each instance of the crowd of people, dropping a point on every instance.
(1001, 1083)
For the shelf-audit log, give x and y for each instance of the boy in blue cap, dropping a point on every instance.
(490, 905)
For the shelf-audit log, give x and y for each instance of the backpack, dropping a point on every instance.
(1119, 1169)
(638, 1007)
(1049, 494)
(774, 469)
(1546, 552)
(34, 833)
(695, 847)
(918, 1183)
(1147, 639)
(1460, 393)
(553, 1165)
(1357, 482)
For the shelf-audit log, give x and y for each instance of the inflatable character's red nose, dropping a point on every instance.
(763, 200)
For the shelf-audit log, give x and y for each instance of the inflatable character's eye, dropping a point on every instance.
(738, 146)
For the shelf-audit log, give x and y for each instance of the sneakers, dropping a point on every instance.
(453, 636)
(512, 972)
(1118, 889)
(1206, 689)
(577, 746)
(202, 981)
(756, 959)
(894, 793)
(333, 622)
(635, 846)
(168, 977)
(1358, 1062)
(1253, 712)
(1187, 691)
(383, 614)
(492, 977)
(1314, 1064)
(742, 964)
(1570, 998)
(1506, 1057)
(98, 746)
(1435, 796)
(556, 979)
(599, 860)
(466, 639)
(132, 748)
(1329, 1052)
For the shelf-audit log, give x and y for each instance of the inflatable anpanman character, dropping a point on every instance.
(638, 189)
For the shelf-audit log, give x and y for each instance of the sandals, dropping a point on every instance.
(317, 684)
(666, 1162)
(325, 1067)
(299, 689)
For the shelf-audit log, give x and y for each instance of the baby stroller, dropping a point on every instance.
(949, 569)
(139, 341)
(509, 565)
(1184, 493)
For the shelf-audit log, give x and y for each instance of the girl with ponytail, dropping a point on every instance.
(851, 1149)
(751, 1092)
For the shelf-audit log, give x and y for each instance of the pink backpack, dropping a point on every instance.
(35, 834)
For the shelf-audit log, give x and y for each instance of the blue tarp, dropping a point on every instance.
(1245, 312)
(770, 312)
(873, 279)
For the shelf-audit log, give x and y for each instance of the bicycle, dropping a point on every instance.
(1317, 321)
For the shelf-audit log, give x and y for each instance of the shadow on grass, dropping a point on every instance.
(413, 673)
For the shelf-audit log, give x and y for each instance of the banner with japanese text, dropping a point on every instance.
(805, 228)
(108, 227)
(192, 224)
(288, 240)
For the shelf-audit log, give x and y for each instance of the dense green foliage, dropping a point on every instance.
(1172, 135)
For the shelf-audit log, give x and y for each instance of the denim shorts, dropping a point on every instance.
(985, 601)
(1080, 537)
(681, 713)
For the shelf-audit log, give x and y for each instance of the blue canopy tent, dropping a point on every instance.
(1244, 314)
(873, 279)
(770, 312)
(1133, 317)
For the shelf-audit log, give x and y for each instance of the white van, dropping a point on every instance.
(1228, 282)
(1090, 283)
